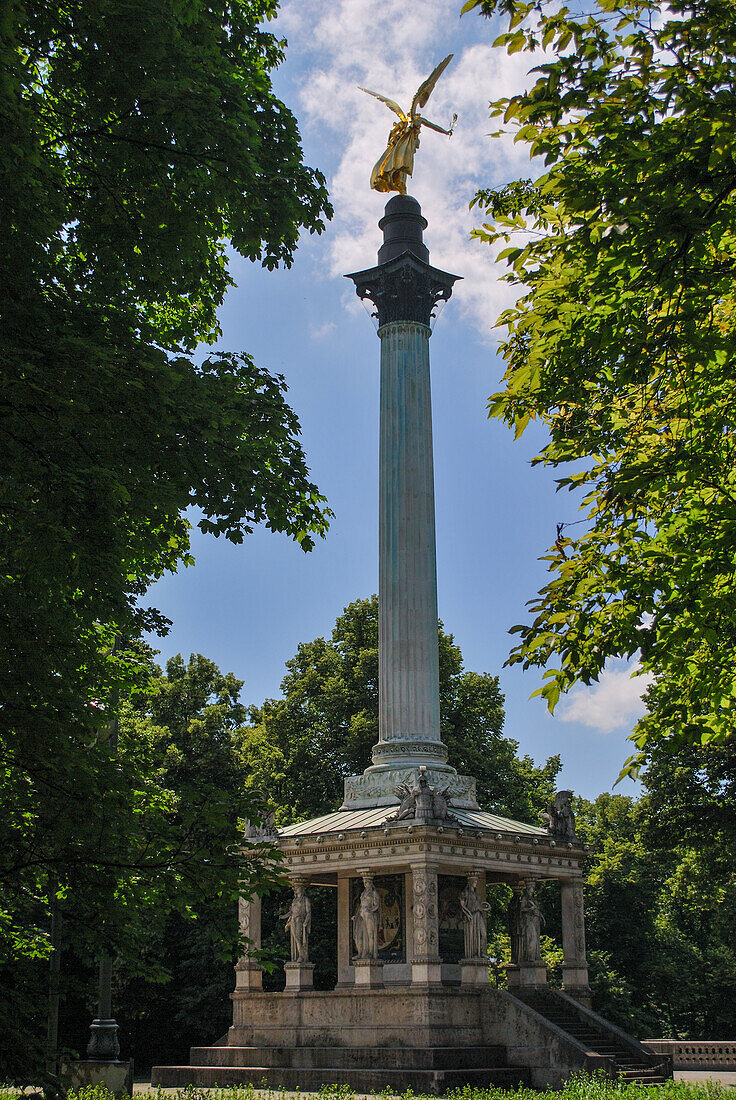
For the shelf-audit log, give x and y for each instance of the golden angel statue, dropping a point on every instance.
(392, 168)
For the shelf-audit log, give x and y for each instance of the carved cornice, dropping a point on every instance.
(425, 848)
(404, 289)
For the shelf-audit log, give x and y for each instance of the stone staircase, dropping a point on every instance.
(631, 1062)
(365, 1069)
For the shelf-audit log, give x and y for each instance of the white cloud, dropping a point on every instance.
(613, 703)
(320, 332)
(391, 46)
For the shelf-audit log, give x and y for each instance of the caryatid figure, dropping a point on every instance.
(299, 923)
(367, 920)
(474, 911)
(531, 920)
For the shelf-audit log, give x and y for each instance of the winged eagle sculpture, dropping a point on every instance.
(393, 166)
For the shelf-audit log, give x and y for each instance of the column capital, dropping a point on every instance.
(404, 289)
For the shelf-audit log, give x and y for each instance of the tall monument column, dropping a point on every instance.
(405, 291)
(409, 700)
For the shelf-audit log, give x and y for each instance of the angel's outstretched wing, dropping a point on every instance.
(425, 90)
(389, 102)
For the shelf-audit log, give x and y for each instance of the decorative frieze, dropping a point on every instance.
(378, 788)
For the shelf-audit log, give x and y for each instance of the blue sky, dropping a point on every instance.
(248, 607)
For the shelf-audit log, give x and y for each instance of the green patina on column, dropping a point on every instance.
(405, 290)
(409, 702)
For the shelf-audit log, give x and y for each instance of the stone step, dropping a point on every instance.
(639, 1071)
(659, 1080)
(439, 1058)
(628, 1067)
(424, 1081)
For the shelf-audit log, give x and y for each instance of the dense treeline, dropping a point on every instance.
(661, 890)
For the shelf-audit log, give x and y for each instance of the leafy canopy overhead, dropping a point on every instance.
(145, 137)
(143, 142)
(622, 341)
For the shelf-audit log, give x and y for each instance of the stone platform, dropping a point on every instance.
(431, 1040)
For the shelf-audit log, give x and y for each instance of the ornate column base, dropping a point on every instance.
(426, 971)
(527, 974)
(299, 976)
(103, 1043)
(368, 973)
(474, 972)
(575, 982)
(248, 975)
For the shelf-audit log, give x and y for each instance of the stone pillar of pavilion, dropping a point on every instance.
(248, 974)
(575, 963)
(405, 291)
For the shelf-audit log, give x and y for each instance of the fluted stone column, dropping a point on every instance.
(409, 701)
(405, 290)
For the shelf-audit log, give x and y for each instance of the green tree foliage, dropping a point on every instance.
(622, 341)
(174, 972)
(299, 748)
(661, 896)
(142, 142)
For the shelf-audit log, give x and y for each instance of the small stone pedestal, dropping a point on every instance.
(299, 976)
(368, 973)
(248, 975)
(474, 972)
(115, 1076)
(575, 983)
(527, 976)
(426, 971)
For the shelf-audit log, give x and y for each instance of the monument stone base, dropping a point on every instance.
(527, 976)
(575, 984)
(474, 972)
(396, 1038)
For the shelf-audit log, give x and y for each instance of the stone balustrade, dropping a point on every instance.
(696, 1055)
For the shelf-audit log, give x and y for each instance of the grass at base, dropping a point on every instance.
(579, 1087)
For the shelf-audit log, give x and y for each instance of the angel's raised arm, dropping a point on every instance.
(434, 126)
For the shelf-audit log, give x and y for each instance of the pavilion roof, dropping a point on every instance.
(343, 821)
